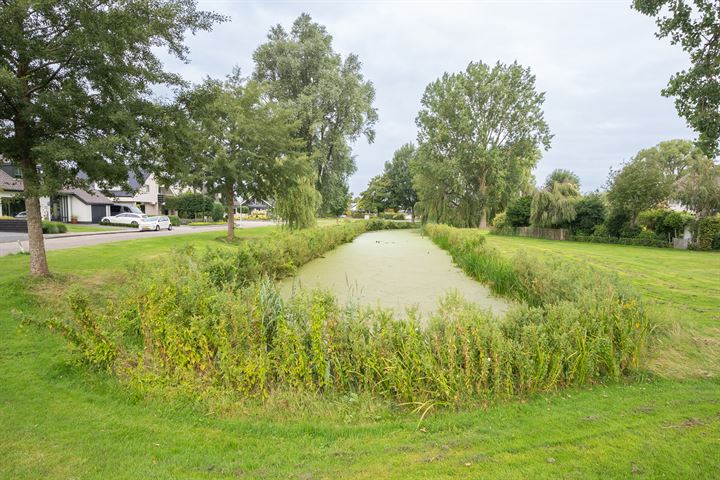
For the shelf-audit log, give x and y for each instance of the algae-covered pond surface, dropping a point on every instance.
(392, 269)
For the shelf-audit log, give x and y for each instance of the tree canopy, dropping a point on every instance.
(480, 135)
(75, 83)
(554, 205)
(330, 97)
(240, 142)
(695, 25)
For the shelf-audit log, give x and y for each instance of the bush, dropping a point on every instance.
(174, 220)
(190, 205)
(707, 234)
(642, 240)
(590, 211)
(208, 323)
(500, 221)
(518, 212)
(244, 209)
(53, 227)
(218, 212)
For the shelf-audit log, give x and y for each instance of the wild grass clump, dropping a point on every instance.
(212, 323)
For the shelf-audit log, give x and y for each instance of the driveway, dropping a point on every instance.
(8, 247)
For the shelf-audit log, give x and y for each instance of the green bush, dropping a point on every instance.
(518, 212)
(218, 212)
(500, 221)
(590, 211)
(707, 234)
(647, 239)
(174, 220)
(190, 205)
(53, 227)
(213, 321)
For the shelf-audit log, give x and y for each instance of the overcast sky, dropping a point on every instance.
(598, 61)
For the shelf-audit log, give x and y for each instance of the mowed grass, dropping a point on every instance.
(682, 286)
(60, 420)
(76, 228)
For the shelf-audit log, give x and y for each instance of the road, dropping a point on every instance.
(61, 243)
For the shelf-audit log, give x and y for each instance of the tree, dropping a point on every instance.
(560, 175)
(648, 179)
(695, 25)
(480, 135)
(75, 83)
(518, 211)
(590, 211)
(399, 177)
(554, 205)
(376, 198)
(331, 99)
(240, 142)
(699, 188)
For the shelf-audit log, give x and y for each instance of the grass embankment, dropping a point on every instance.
(684, 287)
(58, 420)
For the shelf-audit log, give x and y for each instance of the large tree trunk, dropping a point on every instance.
(483, 213)
(38, 259)
(230, 202)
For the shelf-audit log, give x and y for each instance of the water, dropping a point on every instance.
(392, 269)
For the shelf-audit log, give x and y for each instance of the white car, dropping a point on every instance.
(132, 219)
(156, 223)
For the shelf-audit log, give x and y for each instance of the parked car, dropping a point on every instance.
(156, 223)
(21, 215)
(132, 219)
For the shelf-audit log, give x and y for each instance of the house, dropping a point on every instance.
(254, 205)
(69, 203)
(145, 193)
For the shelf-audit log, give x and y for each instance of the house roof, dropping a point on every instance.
(92, 198)
(11, 184)
(134, 182)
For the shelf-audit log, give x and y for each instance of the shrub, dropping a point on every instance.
(174, 220)
(707, 234)
(53, 227)
(190, 204)
(647, 239)
(218, 212)
(590, 211)
(209, 322)
(500, 221)
(518, 212)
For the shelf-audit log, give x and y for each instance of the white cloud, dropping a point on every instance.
(598, 62)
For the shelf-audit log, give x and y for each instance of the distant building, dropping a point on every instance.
(69, 203)
(145, 193)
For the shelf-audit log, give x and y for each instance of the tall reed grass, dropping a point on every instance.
(210, 322)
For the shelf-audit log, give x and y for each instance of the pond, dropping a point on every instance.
(392, 269)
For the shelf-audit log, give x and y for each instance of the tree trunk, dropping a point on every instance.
(38, 259)
(483, 190)
(230, 201)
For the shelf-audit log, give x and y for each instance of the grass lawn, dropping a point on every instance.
(59, 420)
(76, 228)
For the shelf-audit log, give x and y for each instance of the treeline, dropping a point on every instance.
(649, 201)
(481, 133)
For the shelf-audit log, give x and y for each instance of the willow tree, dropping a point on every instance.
(554, 205)
(331, 99)
(238, 141)
(480, 135)
(75, 84)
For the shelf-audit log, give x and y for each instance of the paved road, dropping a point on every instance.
(61, 243)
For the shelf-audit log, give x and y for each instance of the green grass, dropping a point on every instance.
(59, 420)
(76, 228)
(684, 287)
